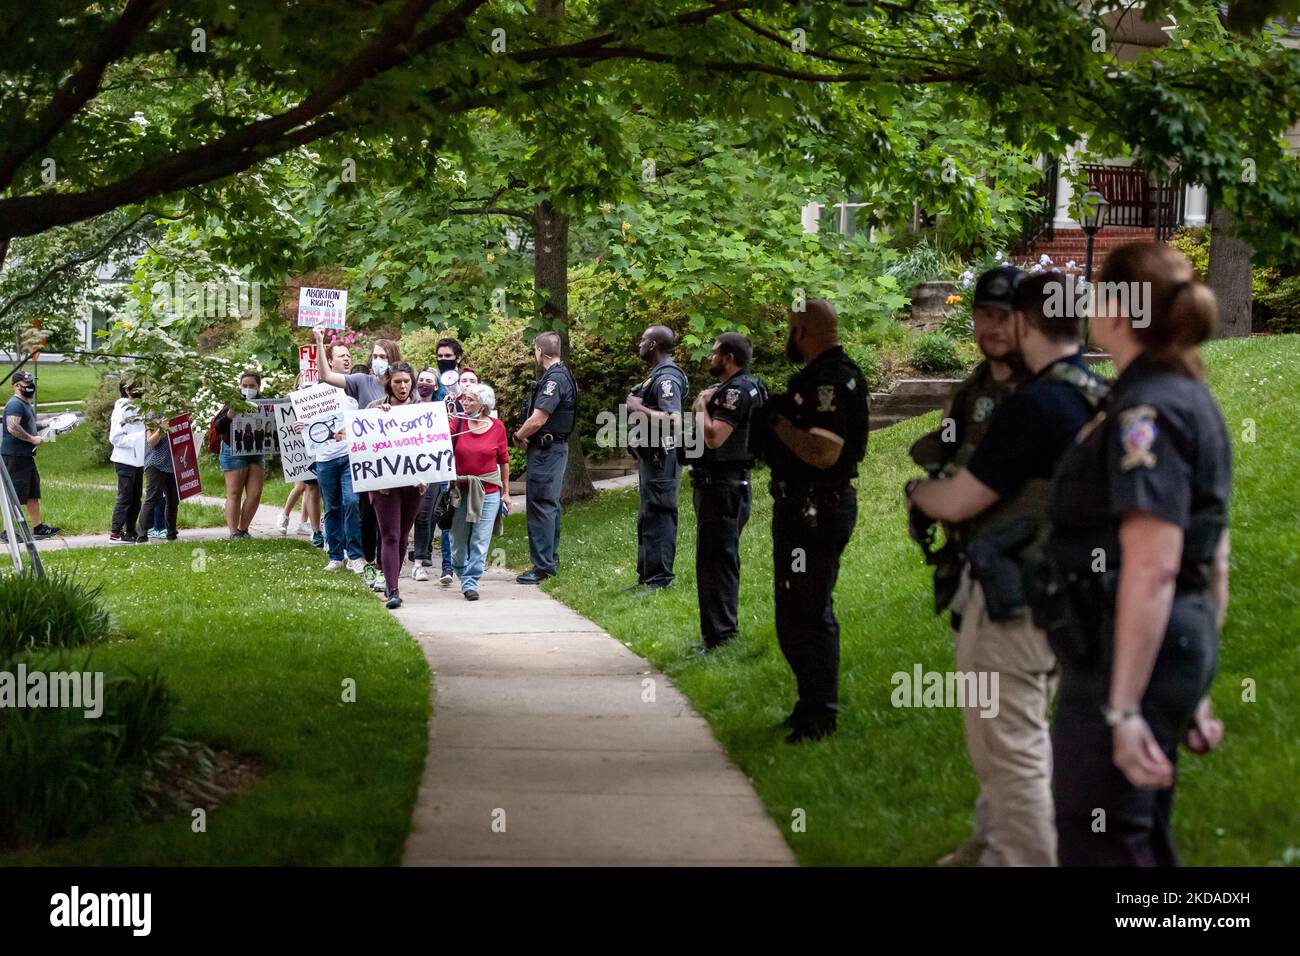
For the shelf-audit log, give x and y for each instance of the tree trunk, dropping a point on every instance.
(4, 252)
(1229, 274)
(551, 283)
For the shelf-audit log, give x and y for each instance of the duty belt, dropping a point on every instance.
(802, 490)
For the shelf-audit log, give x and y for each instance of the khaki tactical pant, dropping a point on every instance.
(1011, 752)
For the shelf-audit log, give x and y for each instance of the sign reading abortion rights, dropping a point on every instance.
(185, 460)
(324, 307)
(295, 459)
(320, 408)
(406, 445)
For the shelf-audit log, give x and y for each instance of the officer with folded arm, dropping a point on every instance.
(1002, 496)
(549, 416)
(816, 433)
(657, 402)
(720, 484)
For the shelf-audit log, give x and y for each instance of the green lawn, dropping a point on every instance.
(256, 647)
(894, 787)
(64, 382)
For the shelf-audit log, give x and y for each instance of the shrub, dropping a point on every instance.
(65, 774)
(98, 412)
(935, 352)
(1283, 304)
(54, 611)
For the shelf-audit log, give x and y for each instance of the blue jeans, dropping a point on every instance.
(445, 538)
(341, 513)
(470, 541)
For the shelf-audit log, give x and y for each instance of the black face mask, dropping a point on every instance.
(446, 365)
(28, 390)
(792, 350)
(136, 393)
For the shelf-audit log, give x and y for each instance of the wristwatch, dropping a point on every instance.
(1116, 717)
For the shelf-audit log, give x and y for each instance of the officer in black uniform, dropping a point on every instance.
(1135, 589)
(659, 400)
(720, 484)
(815, 435)
(548, 419)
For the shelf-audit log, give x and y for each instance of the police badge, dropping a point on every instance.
(1138, 432)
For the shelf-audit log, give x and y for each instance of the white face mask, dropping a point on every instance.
(379, 366)
(248, 392)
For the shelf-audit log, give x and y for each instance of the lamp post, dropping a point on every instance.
(1092, 218)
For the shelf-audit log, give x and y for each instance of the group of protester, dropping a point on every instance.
(1086, 522)
(367, 533)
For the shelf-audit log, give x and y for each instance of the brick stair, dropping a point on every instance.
(1067, 244)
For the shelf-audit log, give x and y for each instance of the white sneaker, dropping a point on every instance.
(419, 574)
(304, 527)
(282, 524)
(445, 580)
(357, 565)
(334, 566)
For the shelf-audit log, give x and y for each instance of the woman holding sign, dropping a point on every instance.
(395, 508)
(482, 492)
(245, 474)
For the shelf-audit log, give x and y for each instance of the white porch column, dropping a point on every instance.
(1195, 205)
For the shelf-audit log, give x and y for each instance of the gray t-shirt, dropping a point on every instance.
(364, 387)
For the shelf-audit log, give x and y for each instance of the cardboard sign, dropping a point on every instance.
(253, 433)
(295, 459)
(185, 458)
(321, 409)
(407, 445)
(324, 307)
(308, 374)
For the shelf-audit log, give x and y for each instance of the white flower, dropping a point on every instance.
(1044, 260)
(1000, 256)
(1071, 265)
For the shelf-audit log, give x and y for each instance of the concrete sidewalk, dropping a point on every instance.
(552, 743)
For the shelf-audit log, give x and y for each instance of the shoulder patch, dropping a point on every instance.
(983, 408)
(1138, 431)
(549, 389)
(825, 398)
(730, 399)
(666, 388)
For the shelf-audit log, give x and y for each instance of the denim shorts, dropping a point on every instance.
(232, 462)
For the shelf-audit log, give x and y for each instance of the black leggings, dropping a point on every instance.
(162, 485)
(369, 528)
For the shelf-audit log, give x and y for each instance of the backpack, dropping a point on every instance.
(214, 436)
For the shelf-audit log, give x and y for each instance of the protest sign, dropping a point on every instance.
(185, 459)
(253, 433)
(308, 374)
(294, 457)
(324, 307)
(321, 409)
(406, 445)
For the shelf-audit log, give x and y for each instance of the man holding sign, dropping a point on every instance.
(321, 409)
(398, 445)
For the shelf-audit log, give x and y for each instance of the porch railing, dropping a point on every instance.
(1135, 200)
(1038, 222)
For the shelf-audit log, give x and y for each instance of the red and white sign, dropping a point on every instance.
(185, 458)
(327, 308)
(308, 374)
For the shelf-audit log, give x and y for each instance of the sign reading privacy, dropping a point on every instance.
(406, 445)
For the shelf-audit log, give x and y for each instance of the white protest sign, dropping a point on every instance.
(407, 445)
(295, 459)
(321, 409)
(324, 307)
(253, 433)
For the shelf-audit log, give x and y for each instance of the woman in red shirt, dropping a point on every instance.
(482, 491)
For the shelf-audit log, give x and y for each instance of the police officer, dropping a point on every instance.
(816, 433)
(720, 484)
(1139, 542)
(1002, 494)
(948, 448)
(548, 419)
(659, 399)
